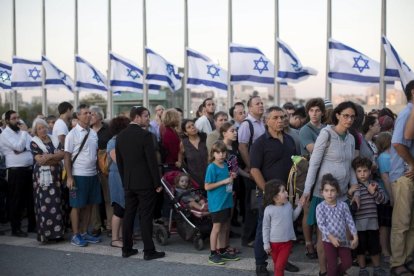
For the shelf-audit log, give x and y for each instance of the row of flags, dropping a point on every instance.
(248, 65)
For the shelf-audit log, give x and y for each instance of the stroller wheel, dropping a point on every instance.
(161, 235)
(198, 243)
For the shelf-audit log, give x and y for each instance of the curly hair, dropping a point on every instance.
(171, 118)
(272, 188)
(328, 179)
(117, 124)
(361, 162)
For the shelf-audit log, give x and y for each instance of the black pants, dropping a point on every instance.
(250, 221)
(144, 201)
(20, 196)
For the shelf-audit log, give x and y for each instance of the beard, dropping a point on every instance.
(15, 128)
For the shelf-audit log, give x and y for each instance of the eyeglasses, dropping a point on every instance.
(347, 116)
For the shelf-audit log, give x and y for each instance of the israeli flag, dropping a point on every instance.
(125, 76)
(56, 78)
(161, 72)
(5, 76)
(290, 67)
(349, 66)
(204, 73)
(250, 66)
(396, 66)
(26, 74)
(89, 78)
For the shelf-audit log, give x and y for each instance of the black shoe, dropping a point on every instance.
(235, 223)
(261, 270)
(129, 253)
(291, 267)
(247, 244)
(19, 233)
(31, 230)
(153, 255)
(234, 235)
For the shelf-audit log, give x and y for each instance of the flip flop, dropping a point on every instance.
(113, 245)
(393, 272)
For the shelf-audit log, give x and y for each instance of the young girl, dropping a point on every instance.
(219, 187)
(183, 190)
(278, 220)
(333, 217)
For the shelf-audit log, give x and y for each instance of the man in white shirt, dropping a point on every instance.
(60, 128)
(15, 145)
(206, 123)
(82, 178)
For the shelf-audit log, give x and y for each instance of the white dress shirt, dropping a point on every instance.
(15, 146)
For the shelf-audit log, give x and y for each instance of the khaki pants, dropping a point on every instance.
(402, 230)
(95, 217)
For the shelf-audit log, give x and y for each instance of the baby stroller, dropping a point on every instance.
(191, 225)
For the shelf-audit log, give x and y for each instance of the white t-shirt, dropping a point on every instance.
(85, 164)
(60, 128)
(203, 125)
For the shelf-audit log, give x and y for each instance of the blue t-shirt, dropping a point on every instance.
(384, 166)
(219, 198)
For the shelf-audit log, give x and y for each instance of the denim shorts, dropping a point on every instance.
(87, 191)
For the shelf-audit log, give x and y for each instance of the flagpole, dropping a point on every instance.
(44, 91)
(110, 103)
(328, 85)
(13, 91)
(383, 88)
(230, 40)
(145, 101)
(277, 86)
(76, 91)
(185, 91)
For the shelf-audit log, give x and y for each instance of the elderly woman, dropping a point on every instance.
(333, 153)
(47, 154)
(116, 189)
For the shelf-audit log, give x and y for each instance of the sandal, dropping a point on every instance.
(112, 244)
(232, 250)
(311, 255)
(393, 272)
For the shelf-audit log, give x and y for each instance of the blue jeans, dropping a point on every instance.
(259, 253)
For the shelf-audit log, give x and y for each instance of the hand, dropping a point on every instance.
(23, 127)
(233, 175)
(334, 241)
(178, 164)
(410, 172)
(268, 251)
(354, 242)
(304, 199)
(356, 200)
(158, 189)
(70, 183)
(372, 187)
(228, 180)
(352, 189)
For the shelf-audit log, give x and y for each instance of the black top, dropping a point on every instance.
(104, 135)
(272, 157)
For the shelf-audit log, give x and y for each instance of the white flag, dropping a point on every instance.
(55, 78)
(5, 76)
(396, 66)
(290, 67)
(204, 73)
(125, 76)
(26, 74)
(161, 72)
(250, 66)
(348, 66)
(89, 78)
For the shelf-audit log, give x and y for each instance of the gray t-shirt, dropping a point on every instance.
(307, 135)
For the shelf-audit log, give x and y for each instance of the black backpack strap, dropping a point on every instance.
(81, 146)
(251, 128)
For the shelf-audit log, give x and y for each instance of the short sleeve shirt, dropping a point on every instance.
(397, 163)
(307, 135)
(244, 130)
(219, 198)
(60, 128)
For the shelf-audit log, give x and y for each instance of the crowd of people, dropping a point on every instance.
(89, 175)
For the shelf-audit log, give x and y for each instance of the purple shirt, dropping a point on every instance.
(333, 220)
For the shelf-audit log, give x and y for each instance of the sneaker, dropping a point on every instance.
(77, 240)
(379, 271)
(363, 272)
(91, 239)
(291, 267)
(226, 256)
(215, 259)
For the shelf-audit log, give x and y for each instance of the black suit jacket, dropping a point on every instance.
(136, 159)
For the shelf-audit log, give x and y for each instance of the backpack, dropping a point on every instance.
(104, 162)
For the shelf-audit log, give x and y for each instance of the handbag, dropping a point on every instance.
(64, 174)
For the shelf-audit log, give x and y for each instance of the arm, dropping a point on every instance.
(113, 155)
(212, 186)
(403, 152)
(119, 161)
(321, 220)
(151, 159)
(297, 211)
(61, 139)
(16, 145)
(266, 230)
(258, 178)
(68, 168)
(378, 193)
(387, 184)
(179, 162)
(244, 153)
(409, 127)
(351, 226)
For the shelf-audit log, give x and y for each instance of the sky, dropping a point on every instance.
(302, 25)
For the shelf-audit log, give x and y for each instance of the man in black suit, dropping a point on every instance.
(138, 167)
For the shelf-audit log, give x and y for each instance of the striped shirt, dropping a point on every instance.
(366, 218)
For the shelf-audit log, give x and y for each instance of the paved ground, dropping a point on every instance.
(25, 256)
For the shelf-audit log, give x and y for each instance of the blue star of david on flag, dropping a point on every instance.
(360, 63)
(296, 66)
(134, 74)
(62, 75)
(34, 73)
(88, 77)
(261, 68)
(4, 76)
(170, 69)
(213, 71)
(97, 78)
